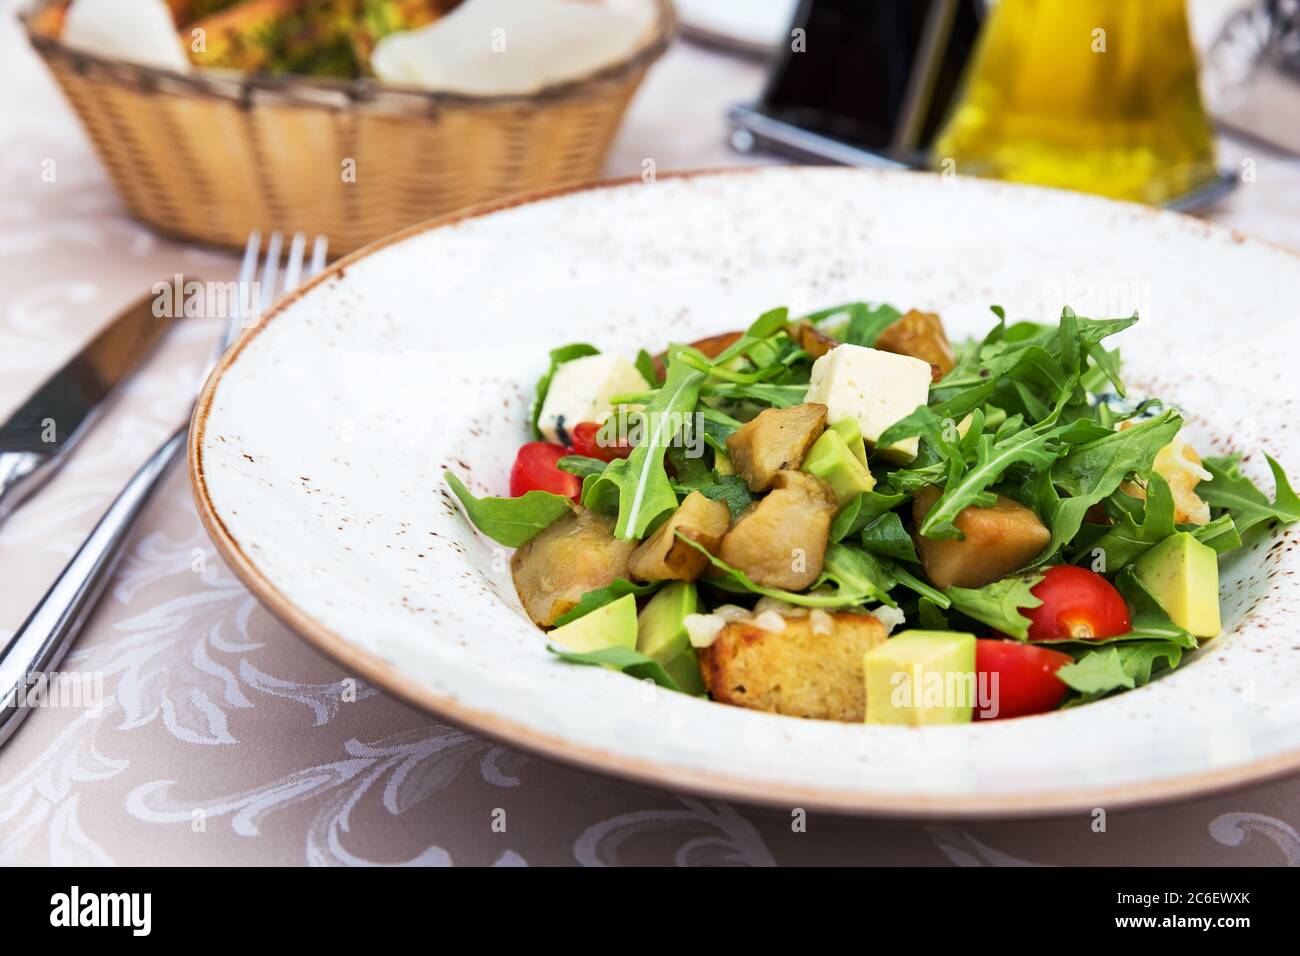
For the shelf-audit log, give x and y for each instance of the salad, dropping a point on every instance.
(842, 516)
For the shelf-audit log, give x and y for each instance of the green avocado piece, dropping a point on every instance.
(921, 677)
(613, 625)
(661, 634)
(831, 460)
(1182, 574)
(849, 429)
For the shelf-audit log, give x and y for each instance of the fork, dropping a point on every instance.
(40, 644)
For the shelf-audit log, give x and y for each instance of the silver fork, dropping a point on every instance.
(40, 644)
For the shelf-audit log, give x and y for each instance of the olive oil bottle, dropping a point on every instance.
(1099, 96)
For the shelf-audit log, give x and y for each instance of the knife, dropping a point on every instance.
(36, 438)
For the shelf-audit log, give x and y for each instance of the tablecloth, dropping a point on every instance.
(223, 739)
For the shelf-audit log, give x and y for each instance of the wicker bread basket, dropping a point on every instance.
(211, 155)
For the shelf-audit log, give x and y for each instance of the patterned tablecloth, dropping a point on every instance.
(223, 739)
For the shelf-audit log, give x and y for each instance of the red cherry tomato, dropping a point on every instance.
(534, 470)
(1078, 604)
(1026, 681)
(588, 441)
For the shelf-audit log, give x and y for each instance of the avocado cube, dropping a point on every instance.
(831, 460)
(613, 625)
(921, 677)
(1182, 574)
(661, 634)
(851, 432)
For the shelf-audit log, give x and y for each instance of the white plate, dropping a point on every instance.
(320, 443)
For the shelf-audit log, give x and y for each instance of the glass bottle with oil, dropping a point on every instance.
(1099, 96)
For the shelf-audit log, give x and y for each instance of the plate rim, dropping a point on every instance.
(655, 773)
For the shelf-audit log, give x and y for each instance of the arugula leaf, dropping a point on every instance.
(931, 615)
(731, 490)
(861, 511)
(1092, 470)
(1127, 540)
(565, 353)
(1232, 491)
(645, 364)
(640, 480)
(1221, 534)
(1035, 449)
(858, 572)
(998, 604)
(598, 598)
(630, 662)
(778, 396)
(1116, 667)
(510, 521)
(580, 465)
(864, 322)
(737, 581)
(885, 536)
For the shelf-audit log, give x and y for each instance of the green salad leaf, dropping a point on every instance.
(598, 598)
(1091, 470)
(640, 480)
(1127, 540)
(565, 353)
(998, 604)
(1231, 491)
(580, 465)
(510, 521)
(630, 662)
(886, 537)
(861, 511)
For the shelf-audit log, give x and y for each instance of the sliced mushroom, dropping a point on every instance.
(577, 553)
(780, 540)
(810, 338)
(775, 439)
(665, 557)
(998, 540)
(920, 335)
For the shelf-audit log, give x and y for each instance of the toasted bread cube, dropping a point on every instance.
(780, 540)
(577, 553)
(998, 540)
(801, 670)
(776, 438)
(920, 335)
(665, 557)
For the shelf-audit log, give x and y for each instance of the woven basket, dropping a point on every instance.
(212, 155)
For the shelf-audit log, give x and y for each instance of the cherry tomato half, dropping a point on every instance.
(1078, 604)
(534, 470)
(588, 441)
(1026, 678)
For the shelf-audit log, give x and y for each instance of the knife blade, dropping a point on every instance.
(37, 437)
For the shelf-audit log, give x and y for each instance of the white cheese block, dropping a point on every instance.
(139, 31)
(877, 388)
(581, 391)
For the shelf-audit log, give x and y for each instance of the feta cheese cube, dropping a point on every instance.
(877, 388)
(581, 391)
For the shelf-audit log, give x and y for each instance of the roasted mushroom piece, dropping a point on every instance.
(997, 540)
(577, 553)
(780, 540)
(775, 439)
(810, 338)
(665, 557)
(920, 335)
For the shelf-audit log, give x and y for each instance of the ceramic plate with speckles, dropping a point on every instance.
(321, 440)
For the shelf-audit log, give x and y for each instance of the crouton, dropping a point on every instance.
(774, 439)
(577, 553)
(665, 557)
(801, 670)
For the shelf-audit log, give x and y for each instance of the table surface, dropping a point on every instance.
(225, 740)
